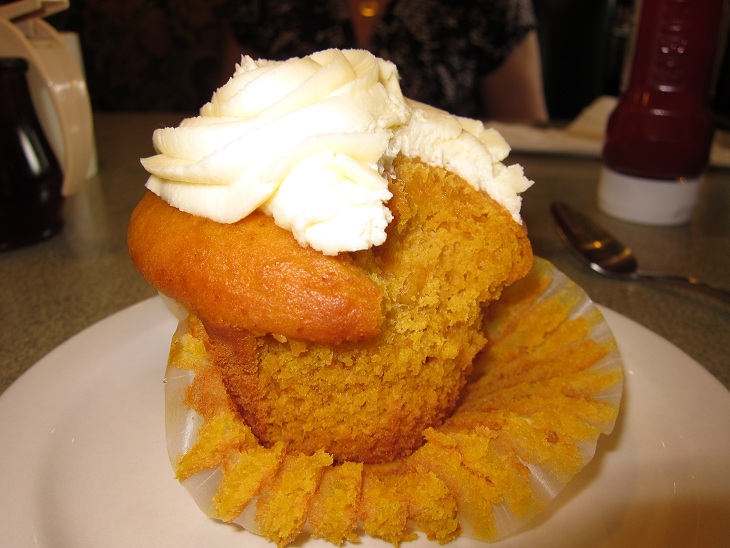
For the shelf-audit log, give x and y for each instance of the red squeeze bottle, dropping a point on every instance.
(658, 139)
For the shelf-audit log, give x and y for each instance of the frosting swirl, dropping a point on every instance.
(307, 141)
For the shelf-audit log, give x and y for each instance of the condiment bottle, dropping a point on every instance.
(30, 175)
(658, 139)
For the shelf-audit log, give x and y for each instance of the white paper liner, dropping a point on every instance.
(182, 423)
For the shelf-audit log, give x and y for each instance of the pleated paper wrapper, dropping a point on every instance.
(545, 388)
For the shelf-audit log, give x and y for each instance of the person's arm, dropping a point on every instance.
(514, 91)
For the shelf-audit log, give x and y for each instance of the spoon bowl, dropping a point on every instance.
(605, 254)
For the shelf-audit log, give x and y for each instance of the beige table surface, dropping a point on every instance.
(54, 290)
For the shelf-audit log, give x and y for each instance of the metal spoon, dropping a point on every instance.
(603, 253)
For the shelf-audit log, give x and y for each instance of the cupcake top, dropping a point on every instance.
(309, 142)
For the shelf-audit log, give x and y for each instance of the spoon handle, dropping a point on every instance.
(688, 281)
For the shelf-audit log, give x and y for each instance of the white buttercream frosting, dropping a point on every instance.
(308, 140)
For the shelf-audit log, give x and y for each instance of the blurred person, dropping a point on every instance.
(475, 58)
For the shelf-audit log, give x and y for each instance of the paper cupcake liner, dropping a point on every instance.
(548, 384)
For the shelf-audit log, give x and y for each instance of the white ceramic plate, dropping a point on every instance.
(83, 459)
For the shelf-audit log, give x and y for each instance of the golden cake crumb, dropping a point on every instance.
(244, 472)
(431, 506)
(216, 439)
(335, 508)
(383, 512)
(283, 504)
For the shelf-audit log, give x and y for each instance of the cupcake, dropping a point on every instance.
(332, 249)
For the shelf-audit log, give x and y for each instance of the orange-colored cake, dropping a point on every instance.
(325, 360)
(450, 250)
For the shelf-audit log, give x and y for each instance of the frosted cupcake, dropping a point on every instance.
(333, 247)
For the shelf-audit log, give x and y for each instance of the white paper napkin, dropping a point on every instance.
(584, 135)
